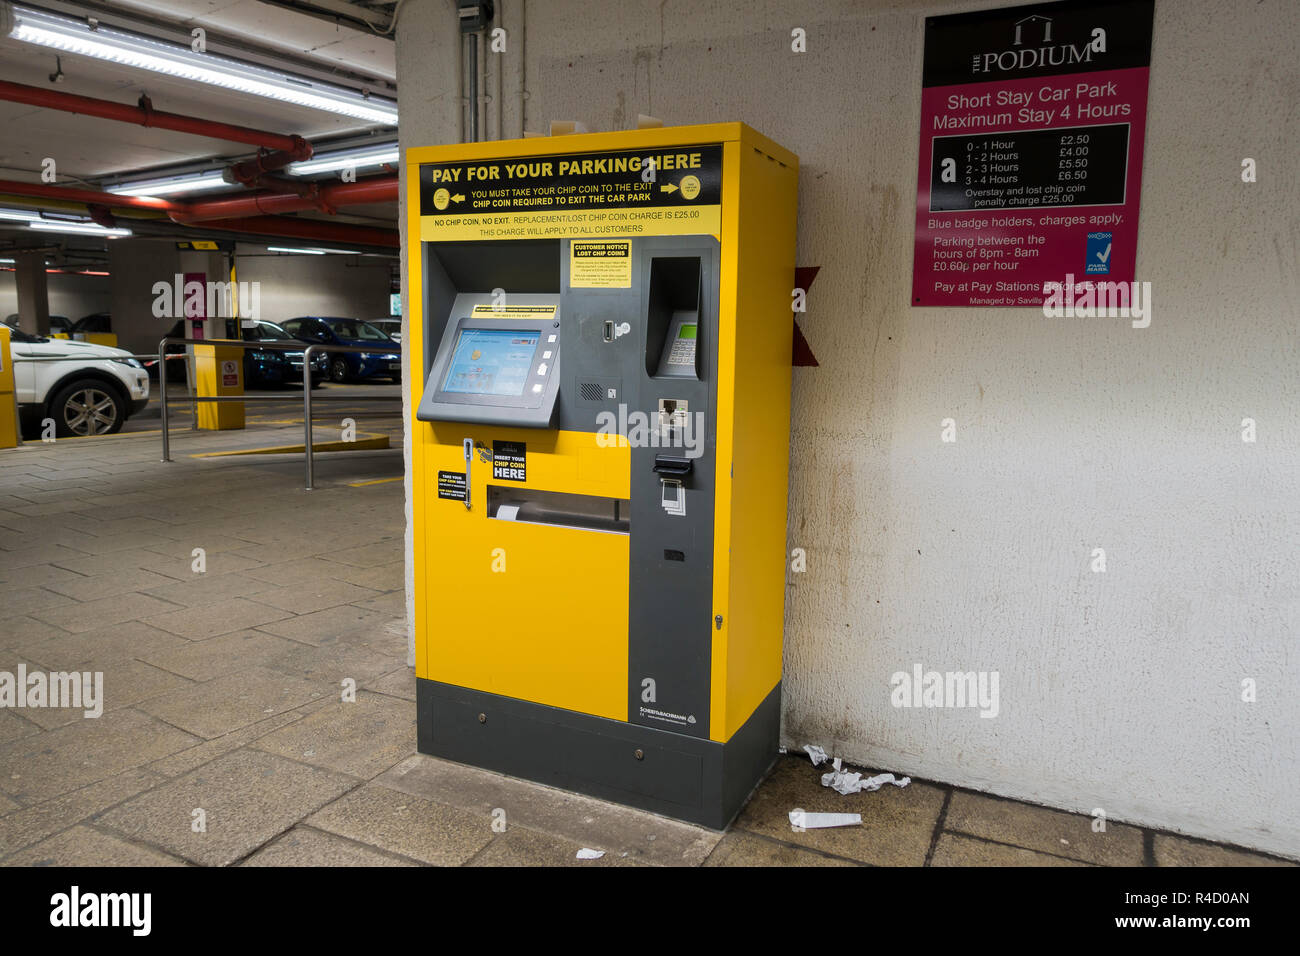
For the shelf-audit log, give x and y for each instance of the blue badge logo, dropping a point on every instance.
(1098, 254)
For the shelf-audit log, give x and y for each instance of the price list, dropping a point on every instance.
(1074, 166)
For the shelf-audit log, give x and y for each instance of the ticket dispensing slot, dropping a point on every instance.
(673, 317)
(561, 509)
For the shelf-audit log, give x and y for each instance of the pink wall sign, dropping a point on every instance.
(196, 301)
(1032, 125)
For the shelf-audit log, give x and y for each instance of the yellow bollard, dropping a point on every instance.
(219, 371)
(8, 402)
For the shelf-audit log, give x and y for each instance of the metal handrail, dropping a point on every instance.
(308, 352)
(80, 358)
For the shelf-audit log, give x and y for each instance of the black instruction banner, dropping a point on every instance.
(510, 460)
(661, 191)
(451, 485)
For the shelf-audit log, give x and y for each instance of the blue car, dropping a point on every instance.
(383, 360)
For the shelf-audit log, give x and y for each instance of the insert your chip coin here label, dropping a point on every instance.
(578, 195)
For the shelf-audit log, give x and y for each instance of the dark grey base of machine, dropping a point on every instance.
(700, 781)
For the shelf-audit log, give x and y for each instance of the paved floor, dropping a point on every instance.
(224, 738)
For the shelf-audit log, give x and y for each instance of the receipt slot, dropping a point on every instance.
(601, 330)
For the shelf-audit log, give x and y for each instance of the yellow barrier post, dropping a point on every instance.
(219, 372)
(8, 402)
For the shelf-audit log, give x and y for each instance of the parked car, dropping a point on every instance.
(262, 367)
(392, 327)
(58, 323)
(276, 366)
(95, 322)
(176, 369)
(92, 392)
(385, 360)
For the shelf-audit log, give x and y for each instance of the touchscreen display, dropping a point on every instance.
(491, 362)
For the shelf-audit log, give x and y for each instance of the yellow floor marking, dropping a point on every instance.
(370, 442)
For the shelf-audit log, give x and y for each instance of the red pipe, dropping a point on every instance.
(251, 172)
(377, 189)
(307, 229)
(381, 189)
(88, 196)
(145, 115)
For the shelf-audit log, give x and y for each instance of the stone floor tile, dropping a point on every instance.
(217, 707)
(305, 846)
(364, 738)
(247, 797)
(1044, 830)
(407, 825)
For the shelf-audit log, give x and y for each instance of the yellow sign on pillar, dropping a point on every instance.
(219, 373)
(8, 406)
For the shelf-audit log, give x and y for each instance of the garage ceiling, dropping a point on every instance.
(313, 39)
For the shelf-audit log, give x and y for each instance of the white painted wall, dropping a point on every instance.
(70, 295)
(293, 285)
(1118, 690)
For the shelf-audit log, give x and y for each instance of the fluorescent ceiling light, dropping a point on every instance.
(169, 185)
(7, 262)
(19, 215)
(346, 159)
(313, 252)
(146, 53)
(88, 228)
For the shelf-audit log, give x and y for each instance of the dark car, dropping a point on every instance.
(95, 322)
(276, 366)
(384, 358)
(262, 367)
(58, 323)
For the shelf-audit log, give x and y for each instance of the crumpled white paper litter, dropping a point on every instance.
(842, 781)
(818, 821)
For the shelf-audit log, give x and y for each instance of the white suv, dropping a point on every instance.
(92, 391)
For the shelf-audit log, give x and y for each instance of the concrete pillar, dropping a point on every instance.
(33, 293)
(214, 268)
(512, 92)
(136, 265)
(428, 97)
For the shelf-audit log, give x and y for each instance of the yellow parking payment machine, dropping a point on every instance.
(601, 337)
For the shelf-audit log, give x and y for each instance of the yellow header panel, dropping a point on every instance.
(644, 189)
(657, 182)
(668, 137)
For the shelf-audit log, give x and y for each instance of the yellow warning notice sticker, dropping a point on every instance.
(482, 311)
(601, 264)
